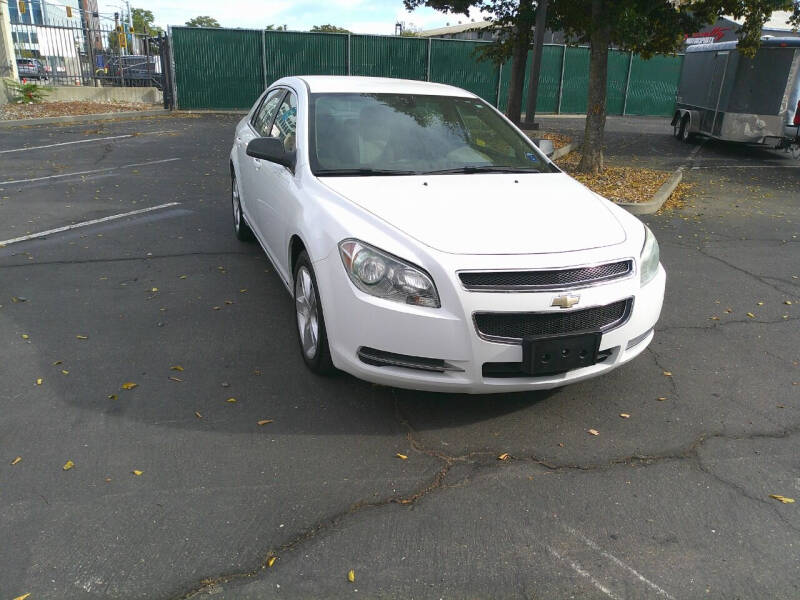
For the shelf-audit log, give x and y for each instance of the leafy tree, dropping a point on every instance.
(143, 22)
(202, 21)
(646, 27)
(329, 29)
(276, 28)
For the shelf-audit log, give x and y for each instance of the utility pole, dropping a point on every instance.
(536, 64)
(8, 60)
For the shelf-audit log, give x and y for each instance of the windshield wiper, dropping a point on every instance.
(482, 169)
(360, 172)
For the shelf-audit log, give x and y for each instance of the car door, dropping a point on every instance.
(276, 187)
(258, 126)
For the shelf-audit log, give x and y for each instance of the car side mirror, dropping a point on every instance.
(546, 146)
(271, 149)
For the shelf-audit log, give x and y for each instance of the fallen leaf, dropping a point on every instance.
(751, 315)
(68, 465)
(504, 456)
(593, 432)
(112, 396)
(129, 385)
(714, 318)
(789, 302)
(401, 456)
(22, 597)
(265, 421)
(228, 301)
(154, 289)
(271, 560)
(667, 373)
(16, 460)
(783, 499)
(215, 307)
(137, 472)
(82, 337)
(58, 362)
(625, 415)
(107, 480)
(560, 444)
(182, 276)
(231, 400)
(178, 379)
(760, 303)
(198, 415)
(39, 381)
(25, 336)
(351, 576)
(661, 398)
(176, 368)
(243, 291)
(728, 310)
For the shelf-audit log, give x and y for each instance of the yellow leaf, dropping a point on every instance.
(183, 277)
(715, 318)
(25, 336)
(137, 472)
(58, 362)
(154, 289)
(593, 432)
(198, 415)
(661, 398)
(351, 576)
(39, 381)
(215, 307)
(112, 396)
(82, 337)
(231, 400)
(625, 415)
(783, 499)
(751, 315)
(68, 465)
(789, 302)
(271, 560)
(176, 368)
(504, 456)
(264, 421)
(401, 456)
(65, 372)
(178, 379)
(228, 301)
(16, 460)
(667, 373)
(243, 291)
(129, 385)
(22, 597)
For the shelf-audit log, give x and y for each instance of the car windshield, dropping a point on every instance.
(411, 134)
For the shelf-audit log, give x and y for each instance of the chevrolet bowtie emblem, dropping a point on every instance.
(565, 301)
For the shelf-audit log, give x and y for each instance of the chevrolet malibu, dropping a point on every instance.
(429, 244)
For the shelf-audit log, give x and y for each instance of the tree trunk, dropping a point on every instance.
(519, 59)
(536, 64)
(592, 158)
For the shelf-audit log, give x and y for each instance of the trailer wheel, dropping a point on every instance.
(676, 129)
(685, 134)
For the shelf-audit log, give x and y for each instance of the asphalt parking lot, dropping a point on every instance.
(672, 502)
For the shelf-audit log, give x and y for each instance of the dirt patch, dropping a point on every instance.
(10, 112)
(618, 184)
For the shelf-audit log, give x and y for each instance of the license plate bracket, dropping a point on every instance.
(550, 356)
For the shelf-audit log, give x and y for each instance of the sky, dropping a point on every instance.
(359, 16)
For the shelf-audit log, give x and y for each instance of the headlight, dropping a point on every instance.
(380, 274)
(648, 261)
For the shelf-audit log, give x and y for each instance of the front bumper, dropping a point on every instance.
(355, 321)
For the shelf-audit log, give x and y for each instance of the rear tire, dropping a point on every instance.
(240, 226)
(686, 135)
(311, 332)
(676, 129)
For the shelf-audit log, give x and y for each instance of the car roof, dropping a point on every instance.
(376, 85)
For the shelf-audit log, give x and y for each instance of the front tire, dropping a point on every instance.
(240, 226)
(311, 332)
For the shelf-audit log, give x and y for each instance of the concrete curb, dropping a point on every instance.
(563, 151)
(661, 196)
(85, 118)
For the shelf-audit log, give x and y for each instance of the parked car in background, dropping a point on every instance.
(131, 70)
(31, 68)
(429, 244)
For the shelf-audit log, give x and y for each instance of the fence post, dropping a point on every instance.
(499, 81)
(428, 66)
(561, 82)
(627, 85)
(349, 71)
(264, 58)
(171, 61)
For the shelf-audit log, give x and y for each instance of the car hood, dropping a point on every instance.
(488, 213)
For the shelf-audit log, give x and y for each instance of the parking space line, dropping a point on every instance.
(144, 164)
(40, 234)
(583, 573)
(100, 139)
(746, 167)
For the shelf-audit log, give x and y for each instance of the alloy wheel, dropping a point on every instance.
(307, 312)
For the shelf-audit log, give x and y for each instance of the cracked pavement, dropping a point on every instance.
(673, 502)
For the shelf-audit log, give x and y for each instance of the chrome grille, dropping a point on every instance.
(487, 281)
(513, 327)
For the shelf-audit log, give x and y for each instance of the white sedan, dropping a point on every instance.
(428, 244)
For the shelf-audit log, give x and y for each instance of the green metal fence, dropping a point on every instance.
(229, 68)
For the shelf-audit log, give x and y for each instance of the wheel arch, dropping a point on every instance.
(296, 247)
